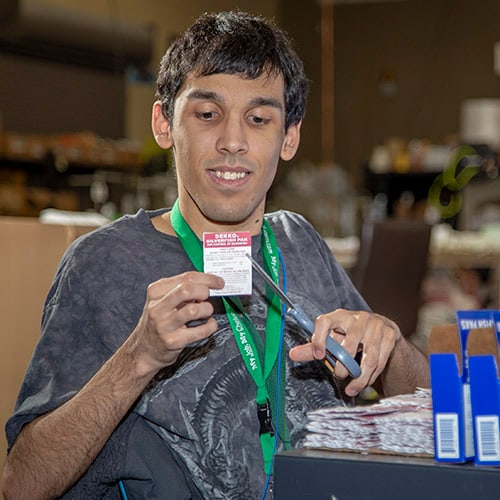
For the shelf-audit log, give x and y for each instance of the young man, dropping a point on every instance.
(127, 390)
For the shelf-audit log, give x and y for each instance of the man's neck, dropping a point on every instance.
(162, 224)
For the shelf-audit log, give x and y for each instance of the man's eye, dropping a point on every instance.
(206, 115)
(258, 120)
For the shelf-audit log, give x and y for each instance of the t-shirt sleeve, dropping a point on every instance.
(315, 278)
(70, 348)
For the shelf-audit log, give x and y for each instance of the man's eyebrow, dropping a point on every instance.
(210, 95)
(205, 95)
(267, 101)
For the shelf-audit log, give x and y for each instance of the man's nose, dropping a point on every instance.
(232, 138)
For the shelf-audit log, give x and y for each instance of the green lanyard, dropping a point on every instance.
(246, 336)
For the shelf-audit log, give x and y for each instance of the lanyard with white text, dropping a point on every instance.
(242, 326)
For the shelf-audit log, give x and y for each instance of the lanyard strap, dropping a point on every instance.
(245, 333)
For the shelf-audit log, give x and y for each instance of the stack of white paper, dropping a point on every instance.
(399, 425)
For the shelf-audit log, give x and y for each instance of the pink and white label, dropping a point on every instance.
(224, 254)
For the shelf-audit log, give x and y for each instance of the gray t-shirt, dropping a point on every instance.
(203, 409)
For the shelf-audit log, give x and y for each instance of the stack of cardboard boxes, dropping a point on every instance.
(465, 383)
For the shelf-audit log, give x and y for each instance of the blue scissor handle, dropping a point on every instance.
(334, 351)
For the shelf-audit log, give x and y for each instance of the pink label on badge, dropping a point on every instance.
(221, 240)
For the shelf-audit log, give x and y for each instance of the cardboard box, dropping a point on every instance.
(465, 389)
(483, 353)
(451, 406)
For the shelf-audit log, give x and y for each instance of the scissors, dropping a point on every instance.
(334, 351)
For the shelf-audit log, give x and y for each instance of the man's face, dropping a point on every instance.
(228, 135)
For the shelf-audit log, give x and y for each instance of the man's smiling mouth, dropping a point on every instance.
(230, 176)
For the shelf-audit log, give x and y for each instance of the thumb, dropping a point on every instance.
(301, 353)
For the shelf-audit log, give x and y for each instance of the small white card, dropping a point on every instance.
(224, 254)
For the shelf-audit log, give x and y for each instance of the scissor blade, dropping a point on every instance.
(270, 282)
(334, 350)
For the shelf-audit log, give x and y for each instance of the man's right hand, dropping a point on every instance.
(161, 333)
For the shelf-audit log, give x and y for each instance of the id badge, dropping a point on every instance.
(224, 254)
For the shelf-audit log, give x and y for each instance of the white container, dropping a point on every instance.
(480, 122)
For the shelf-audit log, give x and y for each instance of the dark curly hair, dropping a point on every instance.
(234, 43)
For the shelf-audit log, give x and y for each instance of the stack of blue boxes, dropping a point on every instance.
(464, 360)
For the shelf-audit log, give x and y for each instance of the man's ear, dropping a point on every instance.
(291, 141)
(161, 127)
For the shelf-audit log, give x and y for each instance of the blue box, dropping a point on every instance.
(483, 354)
(464, 361)
(451, 404)
(471, 320)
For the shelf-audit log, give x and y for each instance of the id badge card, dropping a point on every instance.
(224, 254)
